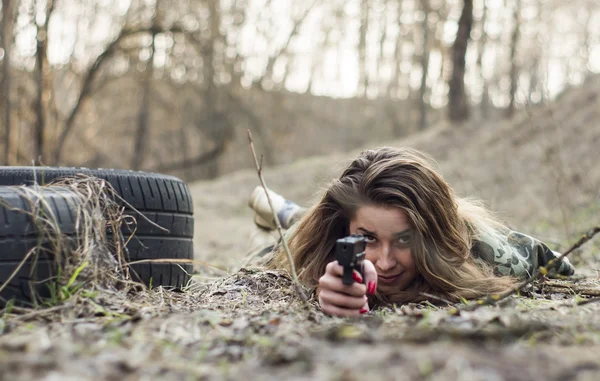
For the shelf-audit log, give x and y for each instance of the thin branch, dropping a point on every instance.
(588, 301)
(570, 288)
(297, 284)
(35, 313)
(16, 271)
(178, 260)
(438, 298)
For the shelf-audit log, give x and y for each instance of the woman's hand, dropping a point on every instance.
(342, 300)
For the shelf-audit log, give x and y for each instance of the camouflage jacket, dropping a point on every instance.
(517, 254)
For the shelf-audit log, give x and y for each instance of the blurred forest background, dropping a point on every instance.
(172, 85)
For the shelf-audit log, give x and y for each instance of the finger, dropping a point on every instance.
(370, 276)
(340, 312)
(342, 300)
(365, 307)
(357, 276)
(334, 268)
(334, 283)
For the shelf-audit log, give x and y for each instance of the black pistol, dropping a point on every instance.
(350, 253)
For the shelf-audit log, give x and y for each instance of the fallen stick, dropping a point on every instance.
(551, 286)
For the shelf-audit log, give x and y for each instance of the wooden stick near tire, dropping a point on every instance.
(295, 279)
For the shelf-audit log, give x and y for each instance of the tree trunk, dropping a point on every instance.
(514, 67)
(393, 84)
(425, 66)
(363, 76)
(587, 38)
(141, 134)
(458, 105)
(39, 134)
(381, 59)
(183, 136)
(211, 166)
(234, 65)
(485, 101)
(7, 39)
(534, 80)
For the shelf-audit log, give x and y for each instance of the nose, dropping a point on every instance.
(384, 260)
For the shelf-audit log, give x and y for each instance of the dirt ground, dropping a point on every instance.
(539, 173)
(251, 325)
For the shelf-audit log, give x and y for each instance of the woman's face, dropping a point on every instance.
(388, 234)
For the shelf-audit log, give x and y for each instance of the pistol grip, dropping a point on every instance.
(347, 278)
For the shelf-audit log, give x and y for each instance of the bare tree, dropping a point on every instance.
(384, 35)
(363, 79)
(234, 65)
(42, 71)
(393, 84)
(587, 36)
(424, 65)
(92, 73)
(514, 67)
(458, 104)
(87, 82)
(485, 101)
(7, 40)
(208, 56)
(143, 128)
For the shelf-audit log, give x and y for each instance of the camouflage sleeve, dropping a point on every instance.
(517, 254)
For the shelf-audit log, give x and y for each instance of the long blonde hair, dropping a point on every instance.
(444, 226)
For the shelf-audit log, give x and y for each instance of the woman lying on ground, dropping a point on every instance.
(421, 238)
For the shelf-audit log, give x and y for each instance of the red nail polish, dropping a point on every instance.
(371, 287)
(357, 278)
(363, 310)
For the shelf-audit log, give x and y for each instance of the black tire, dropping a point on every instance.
(19, 235)
(164, 200)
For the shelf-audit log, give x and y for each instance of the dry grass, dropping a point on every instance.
(91, 261)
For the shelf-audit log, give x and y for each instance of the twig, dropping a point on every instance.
(16, 271)
(297, 284)
(559, 287)
(438, 298)
(177, 260)
(36, 313)
(542, 270)
(572, 278)
(588, 301)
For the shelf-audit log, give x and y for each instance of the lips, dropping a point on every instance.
(388, 279)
